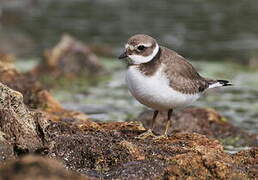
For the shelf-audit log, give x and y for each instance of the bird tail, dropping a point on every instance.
(219, 83)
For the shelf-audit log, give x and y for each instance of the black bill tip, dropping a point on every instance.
(123, 55)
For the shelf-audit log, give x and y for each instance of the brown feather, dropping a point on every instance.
(181, 74)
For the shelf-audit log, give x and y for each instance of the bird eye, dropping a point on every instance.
(141, 47)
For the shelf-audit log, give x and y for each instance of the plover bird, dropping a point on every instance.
(162, 79)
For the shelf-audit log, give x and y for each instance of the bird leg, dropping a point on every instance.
(170, 111)
(155, 114)
(149, 133)
(165, 135)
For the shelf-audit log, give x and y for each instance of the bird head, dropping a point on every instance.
(140, 49)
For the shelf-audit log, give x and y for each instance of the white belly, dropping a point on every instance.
(154, 91)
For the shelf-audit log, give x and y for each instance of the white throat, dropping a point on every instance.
(137, 59)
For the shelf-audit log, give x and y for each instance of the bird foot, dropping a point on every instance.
(162, 137)
(146, 134)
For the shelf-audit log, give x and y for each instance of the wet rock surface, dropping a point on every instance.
(203, 121)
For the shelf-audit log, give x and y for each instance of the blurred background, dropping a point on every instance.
(219, 37)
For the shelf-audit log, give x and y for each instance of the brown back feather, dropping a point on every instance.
(182, 75)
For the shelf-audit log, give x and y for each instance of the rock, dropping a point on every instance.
(203, 121)
(116, 154)
(6, 150)
(24, 127)
(18, 125)
(35, 96)
(37, 168)
(6, 61)
(69, 58)
(248, 160)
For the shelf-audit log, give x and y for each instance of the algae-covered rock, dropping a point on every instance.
(203, 121)
(248, 160)
(110, 153)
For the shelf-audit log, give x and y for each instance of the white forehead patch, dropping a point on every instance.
(138, 59)
(145, 45)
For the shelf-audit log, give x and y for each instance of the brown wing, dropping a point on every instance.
(182, 75)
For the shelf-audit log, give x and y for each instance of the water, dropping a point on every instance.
(197, 28)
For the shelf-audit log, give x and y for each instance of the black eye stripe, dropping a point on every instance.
(141, 47)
